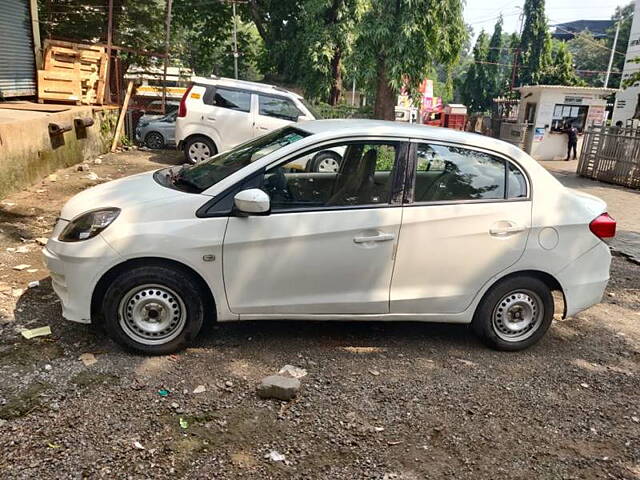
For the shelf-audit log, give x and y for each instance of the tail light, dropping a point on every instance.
(603, 226)
(182, 109)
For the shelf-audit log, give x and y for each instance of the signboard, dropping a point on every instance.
(538, 134)
(596, 115)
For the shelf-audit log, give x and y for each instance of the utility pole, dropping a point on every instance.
(235, 40)
(166, 57)
(613, 51)
(516, 53)
(107, 90)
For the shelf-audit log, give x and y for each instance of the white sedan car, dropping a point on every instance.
(419, 223)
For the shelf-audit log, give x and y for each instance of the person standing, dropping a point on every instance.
(572, 134)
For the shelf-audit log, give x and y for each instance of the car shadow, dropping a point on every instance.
(167, 157)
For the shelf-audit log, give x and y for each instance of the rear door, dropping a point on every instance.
(272, 112)
(229, 114)
(467, 216)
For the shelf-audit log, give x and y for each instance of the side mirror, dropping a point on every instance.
(252, 202)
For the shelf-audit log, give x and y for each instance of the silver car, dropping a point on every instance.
(156, 132)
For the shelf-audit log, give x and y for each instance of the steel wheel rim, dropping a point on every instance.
(154, 140)
(328, 165)
(152, 314)
(517, 316)
(199, 151)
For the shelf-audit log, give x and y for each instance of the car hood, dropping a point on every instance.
(123, 193)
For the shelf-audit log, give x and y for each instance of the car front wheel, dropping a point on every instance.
(153, 309)
(514, 314)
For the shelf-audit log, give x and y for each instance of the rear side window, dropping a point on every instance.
(226, 98)
(278, 107)
(450, 173)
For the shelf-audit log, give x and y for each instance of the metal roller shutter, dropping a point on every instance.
(17, 60)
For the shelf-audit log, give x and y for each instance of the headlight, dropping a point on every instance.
(88, 225)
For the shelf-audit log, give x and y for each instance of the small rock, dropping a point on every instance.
(275, 456)
(467, 362)
(42, 240)
(82, 168)
(97, 161)
(92, 176)
(88, 359)
(48, 367)
(295, 372)
(17, 292)
(611, 294)
(21, 267)
(228, 383)
(34, 284)
(278, 386)
(375, 373)
(584, 385)
(174, 405)
(200, 389)
(23, 249)
(138, 445)
(32, 270)
(53, 177)
(635, 419)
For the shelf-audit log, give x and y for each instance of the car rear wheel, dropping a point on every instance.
(154, 140)
(325, 162)
(514, 314)
(155, 310)
(198, 149)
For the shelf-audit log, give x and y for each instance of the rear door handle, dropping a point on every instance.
(382, 237)
(502, 231)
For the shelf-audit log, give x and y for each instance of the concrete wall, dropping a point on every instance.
(28, 153)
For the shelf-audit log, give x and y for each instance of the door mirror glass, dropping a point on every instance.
(252, 202)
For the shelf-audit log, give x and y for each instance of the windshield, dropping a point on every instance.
(206, 174)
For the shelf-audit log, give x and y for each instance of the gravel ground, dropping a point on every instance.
(386, 401)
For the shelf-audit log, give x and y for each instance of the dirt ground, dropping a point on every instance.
(383, 401)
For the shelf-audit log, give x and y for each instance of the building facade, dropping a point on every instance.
(626, 103)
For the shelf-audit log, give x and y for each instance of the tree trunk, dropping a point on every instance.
(385, 102)
(336, 78)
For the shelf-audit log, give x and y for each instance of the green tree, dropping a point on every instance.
(561, 70)
(494, 69)
(399, 43)
(590, 54)
(476, 91)
(535, 44)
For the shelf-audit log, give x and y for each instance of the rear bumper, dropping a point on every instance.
(75, 269)
(585, 279)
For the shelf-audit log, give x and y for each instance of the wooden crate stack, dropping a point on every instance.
(73, 72)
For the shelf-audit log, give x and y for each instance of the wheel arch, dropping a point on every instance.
(105, 280)
(199, 134)
(545, 277)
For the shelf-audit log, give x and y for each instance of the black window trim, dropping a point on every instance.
(412, 161)
(208, 209)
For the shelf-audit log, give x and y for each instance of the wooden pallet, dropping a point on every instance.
(87, 63)
(59, 86)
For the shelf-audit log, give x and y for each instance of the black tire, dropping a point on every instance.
(154, 140)
(314, 165)
(191, 154)
(513, 289)
(177, 283)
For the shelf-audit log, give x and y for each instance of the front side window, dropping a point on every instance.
(205, 174)
(450, 173)
(232, 99)
(364, 178)
(278, 107)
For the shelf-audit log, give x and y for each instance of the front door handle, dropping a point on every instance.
(382, 237)
(507, 230)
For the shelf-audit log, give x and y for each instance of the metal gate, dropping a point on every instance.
(17, 59)
(612, 155)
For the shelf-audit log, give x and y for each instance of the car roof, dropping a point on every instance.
(364, 127)
(245, 84)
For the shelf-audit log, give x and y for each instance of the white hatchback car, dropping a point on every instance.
(420, 223)
(216, 114)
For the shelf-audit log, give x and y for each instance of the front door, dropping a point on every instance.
(327, 246)
(468, 219)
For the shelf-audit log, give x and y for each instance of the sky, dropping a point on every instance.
(484, 13)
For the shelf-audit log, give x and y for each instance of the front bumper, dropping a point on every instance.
(75, 270)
